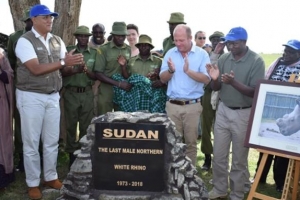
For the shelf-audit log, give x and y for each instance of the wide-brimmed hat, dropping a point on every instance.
(216, 34)
(176, 18)
(237, 33)
(119, 28)
(41, 10)
(295, 44)
(145, 39)
(82, 30)
(26, 15)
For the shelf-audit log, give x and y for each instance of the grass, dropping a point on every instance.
(18, 189)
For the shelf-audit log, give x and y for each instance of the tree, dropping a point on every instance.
(18, 8)
(63, 26)
(68, 20)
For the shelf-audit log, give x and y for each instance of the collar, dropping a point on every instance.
(87, 49)
(149, 58)
(242, 59)
(112, 45)
(37, 35)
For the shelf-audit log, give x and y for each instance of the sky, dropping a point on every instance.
(269, 23)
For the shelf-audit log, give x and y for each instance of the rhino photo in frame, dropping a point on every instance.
(274, 122)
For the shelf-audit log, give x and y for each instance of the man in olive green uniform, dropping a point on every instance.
(13, 38)
(175, 19)
(97, 39)
(208, 114)
(108, 61)
(143, 65)
(78, 95)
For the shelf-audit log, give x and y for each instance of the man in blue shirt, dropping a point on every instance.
(183, 68)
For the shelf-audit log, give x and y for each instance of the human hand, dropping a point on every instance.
(171, 65)
(220, 47)
(157, 84)
(227, 78)
(72, 59)
(125, 86)
(186, 64)
(122, 60)
(213, 71)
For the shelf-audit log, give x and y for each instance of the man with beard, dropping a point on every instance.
(78, 95)
(142, 71)
(12, 40)
(175, 19)
(108, 61)
(281, 70)
(235, 75)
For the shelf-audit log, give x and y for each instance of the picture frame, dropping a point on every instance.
(274, 122)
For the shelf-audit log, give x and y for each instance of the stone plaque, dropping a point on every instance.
(129, 156)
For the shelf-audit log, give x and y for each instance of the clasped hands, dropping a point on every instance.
(214, 73)
(172, 68)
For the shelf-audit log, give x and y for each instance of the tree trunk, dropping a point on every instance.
(67, 21)
(17, 9)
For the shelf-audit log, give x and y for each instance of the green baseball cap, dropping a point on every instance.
(82, 30)
(119, 28)
(176, 18)
(145, 39)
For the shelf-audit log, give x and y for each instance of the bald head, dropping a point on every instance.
(183, 28)
(183, 38)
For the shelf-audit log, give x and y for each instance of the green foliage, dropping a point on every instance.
(269, 58)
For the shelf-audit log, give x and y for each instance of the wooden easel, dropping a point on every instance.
(292, 174)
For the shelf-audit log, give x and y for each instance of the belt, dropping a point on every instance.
(180, 102)
(79, 89)
(239, 108)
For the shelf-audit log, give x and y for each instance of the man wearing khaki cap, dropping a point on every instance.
(78, 95)
(108, 62)
(175, 19)
(152, 95)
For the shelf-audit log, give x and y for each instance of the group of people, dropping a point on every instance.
(193, 83)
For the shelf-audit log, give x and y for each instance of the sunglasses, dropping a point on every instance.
(201, 38)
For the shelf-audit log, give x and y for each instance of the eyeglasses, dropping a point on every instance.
(201, 38)
(46, 17)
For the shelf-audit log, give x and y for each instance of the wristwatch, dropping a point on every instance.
(62, 63)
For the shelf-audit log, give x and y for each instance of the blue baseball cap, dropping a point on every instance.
(237, 33)
(41, 10)
(295, 44)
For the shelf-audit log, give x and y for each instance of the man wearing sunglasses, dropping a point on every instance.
(200, 38)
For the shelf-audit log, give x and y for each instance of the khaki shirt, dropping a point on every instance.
(106, 59)
(81, 79)
(143, 67)
(168, 44)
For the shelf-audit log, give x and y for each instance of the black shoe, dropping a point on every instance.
(279, 189)
(207, 163)
(20, 166)
(72, 158)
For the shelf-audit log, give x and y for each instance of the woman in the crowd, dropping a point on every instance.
(132, 38)
(6, 131)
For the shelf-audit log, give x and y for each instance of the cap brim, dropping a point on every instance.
(53, 14)
(293, 47)
(137, 44)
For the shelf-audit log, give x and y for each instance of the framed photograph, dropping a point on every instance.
(274, 122)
